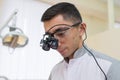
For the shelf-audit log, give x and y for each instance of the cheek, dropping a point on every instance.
(71, 40)
(76, 40)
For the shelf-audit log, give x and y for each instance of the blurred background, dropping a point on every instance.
(30, 62)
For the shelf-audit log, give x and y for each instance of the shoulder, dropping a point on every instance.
(103, 56)
(113, 65)
(58, 66)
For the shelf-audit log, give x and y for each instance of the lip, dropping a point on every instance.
(62, 51)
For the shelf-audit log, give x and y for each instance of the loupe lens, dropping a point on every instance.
(48, 42)
(46, 47)
(54, 44)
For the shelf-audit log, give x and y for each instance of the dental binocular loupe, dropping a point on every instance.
(48, 42)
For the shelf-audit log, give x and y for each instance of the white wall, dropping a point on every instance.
(29, 62)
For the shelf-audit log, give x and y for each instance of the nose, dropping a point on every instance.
(59, 42)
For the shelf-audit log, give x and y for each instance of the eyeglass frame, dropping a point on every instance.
(57, 30)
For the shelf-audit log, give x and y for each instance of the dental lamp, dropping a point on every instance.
(15, 38)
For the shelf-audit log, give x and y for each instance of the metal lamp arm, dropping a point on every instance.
(6, 24)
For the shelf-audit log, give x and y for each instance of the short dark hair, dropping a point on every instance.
(67, 10)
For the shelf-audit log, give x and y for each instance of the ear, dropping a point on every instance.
(82, 29)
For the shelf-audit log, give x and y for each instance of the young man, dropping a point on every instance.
(64, 30)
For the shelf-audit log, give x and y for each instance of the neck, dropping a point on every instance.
(77, 54)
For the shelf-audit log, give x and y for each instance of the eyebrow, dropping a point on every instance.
(60, 29)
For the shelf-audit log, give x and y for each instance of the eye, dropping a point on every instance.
(60, 33)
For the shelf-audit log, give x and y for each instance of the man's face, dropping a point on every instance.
(70, 39)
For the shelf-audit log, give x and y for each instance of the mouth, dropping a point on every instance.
(61, 51)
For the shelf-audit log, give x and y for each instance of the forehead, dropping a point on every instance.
(55, 21)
